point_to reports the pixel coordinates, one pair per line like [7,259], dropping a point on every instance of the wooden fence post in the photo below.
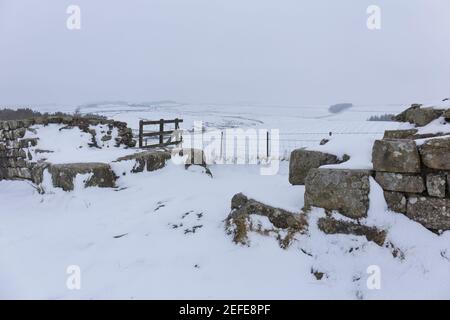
[267,144]
[161,129]
[141,131]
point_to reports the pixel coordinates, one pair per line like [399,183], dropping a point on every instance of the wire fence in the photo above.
[257,147]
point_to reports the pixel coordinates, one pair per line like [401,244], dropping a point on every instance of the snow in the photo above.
[161,234]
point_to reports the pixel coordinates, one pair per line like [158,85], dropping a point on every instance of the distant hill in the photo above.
[336,108]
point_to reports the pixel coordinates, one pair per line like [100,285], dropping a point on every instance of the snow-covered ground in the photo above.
[161,234]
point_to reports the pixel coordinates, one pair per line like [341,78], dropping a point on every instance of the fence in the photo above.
[161,133]
[262,144]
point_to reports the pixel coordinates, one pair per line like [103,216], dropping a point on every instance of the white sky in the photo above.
[228,51]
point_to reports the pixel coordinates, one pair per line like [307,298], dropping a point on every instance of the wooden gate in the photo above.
[161,133]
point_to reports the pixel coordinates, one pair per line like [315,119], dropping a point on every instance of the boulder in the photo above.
[396,201]
[396,156]
[338,189]
[432,213]
[147,160]
[399,134]
[238,223]
[411,134]
[418,115]
[435,153]
[400,182]
[447,115]
[63,175]
[302,161]
[333,226]
[436,185]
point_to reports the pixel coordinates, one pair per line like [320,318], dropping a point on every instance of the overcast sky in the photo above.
[225,51]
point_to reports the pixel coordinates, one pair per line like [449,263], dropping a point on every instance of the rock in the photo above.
[400,182]
[338,189]
[13,153]
[63,175]
[147,160]
[396,201]
[436,185]
[238,222]
[399,134]
[106,137]
[12,163]
[28,142]
[15,173]
[447,115]
[37,172]
[435,153]
[432,213]
[14,134]
[302,161]
[402,117]
[333,226]
[411,134]
[396,156]
[418,115]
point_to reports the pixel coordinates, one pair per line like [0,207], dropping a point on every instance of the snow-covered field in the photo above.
[161,234]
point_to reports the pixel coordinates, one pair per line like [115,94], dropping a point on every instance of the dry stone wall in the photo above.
[16,161]
[415,178]
[15,158]
[414,174]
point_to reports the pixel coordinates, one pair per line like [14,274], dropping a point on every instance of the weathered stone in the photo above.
[432,213]
[147,160]
[402,117]
[418,115]
[399,134]
[396,201]
[435,153]
[37,172]
[14,134]
[28,142]
[411,134]
[13,153]
[304,160]
[396,156]
[12,163]
[400,182]
[15,173]
[333,226]
[238,223]
[106,137]
[337,189]
[436,185]
[63,175]
[447,115]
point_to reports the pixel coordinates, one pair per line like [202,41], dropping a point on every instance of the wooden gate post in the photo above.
[161,130]
[141,131]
